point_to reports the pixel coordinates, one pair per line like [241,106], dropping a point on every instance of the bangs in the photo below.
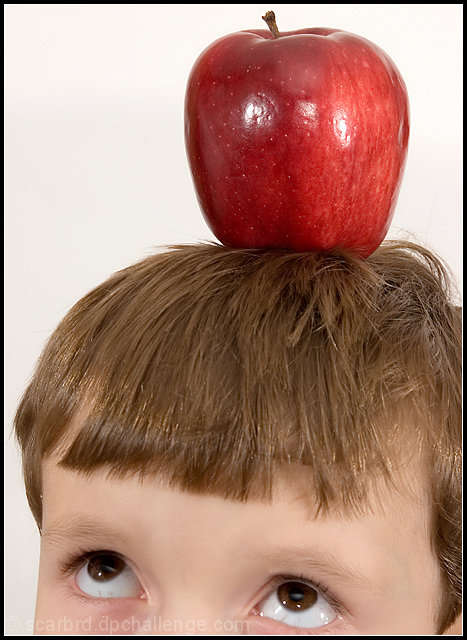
[211,366]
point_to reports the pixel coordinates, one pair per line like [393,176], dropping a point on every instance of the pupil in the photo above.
[105,567]
[297,596]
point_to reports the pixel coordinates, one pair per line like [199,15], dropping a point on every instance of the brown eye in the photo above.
[297,596]
[107,575]
[297,603]
[105,567]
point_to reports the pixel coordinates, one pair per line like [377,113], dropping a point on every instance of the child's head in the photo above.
[211,376]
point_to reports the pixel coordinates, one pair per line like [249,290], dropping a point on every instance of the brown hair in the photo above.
[210,365]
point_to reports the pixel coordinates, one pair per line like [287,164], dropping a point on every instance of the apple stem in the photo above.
[270,20]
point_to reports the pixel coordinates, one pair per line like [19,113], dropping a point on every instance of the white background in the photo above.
[96,173]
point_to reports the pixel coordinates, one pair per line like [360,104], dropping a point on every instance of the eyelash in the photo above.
[74,561]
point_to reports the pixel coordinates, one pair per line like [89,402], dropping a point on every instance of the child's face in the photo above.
[168,562]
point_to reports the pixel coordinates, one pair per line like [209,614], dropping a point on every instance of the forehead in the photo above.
[401,505]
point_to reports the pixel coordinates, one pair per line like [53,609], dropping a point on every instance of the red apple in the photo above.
[297,140]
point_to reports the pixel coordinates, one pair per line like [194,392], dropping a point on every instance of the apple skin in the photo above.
[297,142]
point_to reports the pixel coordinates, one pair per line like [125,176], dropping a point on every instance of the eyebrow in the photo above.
[318,559]
[77,529]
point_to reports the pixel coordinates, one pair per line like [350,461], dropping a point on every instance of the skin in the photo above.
[206,565]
